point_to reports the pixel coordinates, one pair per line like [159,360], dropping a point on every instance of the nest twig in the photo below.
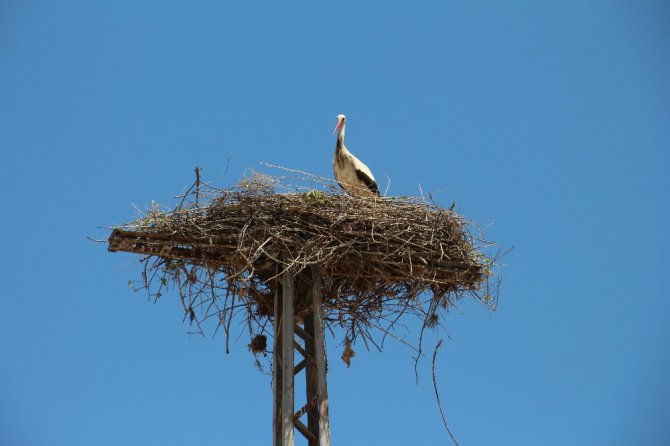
[380,258]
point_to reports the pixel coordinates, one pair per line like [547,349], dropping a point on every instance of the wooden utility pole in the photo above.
[310,344]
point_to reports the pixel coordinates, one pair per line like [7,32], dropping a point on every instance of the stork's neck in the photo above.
[340,140]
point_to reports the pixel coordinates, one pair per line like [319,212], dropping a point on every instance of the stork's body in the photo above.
[350,172]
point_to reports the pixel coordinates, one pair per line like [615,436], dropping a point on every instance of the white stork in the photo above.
[351,174]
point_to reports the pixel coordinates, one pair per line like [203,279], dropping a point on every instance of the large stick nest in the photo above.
[223,250]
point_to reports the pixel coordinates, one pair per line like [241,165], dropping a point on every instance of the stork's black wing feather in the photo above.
[369,182]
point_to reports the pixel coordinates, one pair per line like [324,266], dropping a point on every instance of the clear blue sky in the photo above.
[547,122]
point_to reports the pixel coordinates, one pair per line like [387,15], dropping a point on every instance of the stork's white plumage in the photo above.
[350,172]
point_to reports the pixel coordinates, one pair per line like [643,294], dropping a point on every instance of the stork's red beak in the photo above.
[338,126]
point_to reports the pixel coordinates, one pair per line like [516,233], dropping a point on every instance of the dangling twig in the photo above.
[437,395]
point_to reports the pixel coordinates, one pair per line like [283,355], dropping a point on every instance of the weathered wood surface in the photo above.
[284,367]
[320,356]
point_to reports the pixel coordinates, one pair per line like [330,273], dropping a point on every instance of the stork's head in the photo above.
[340,123]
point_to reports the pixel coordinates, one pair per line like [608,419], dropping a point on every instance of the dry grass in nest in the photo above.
[222,250]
